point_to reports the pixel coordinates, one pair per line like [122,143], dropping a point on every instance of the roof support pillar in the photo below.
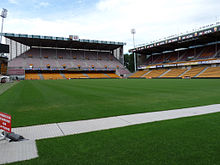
[16,45]
[10,49]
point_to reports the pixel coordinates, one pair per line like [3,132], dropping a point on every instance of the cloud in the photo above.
[44,4]
[13,1]
[114,19]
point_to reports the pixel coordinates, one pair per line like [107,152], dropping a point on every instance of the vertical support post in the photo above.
[135,65]
[97,54]
[40,52]
[16,48]
[2,29]
[56,52]
[10,49]
[122,55]
[109,54]
[21,49]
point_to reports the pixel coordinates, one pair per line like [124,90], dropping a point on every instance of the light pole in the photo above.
[133,32]
[3,15]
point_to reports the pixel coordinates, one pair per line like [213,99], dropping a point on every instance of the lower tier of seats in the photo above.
[174,72]
[113,75]
[194,72]
[52,76]
[211,72]
[155,73]
[32,76]
[138,74]
[58,76]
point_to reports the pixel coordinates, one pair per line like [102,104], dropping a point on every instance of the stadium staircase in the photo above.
[72,65]
[63,75]
[184,72]
[155,73]
[199,54]
[165,73]
[41,63]
[193,72]
[183,55]
[107,75]
[113,75]
[146,73]
[86,75]
[174,73]
[139,74]
[57,63]
[41,76]
[202,71]
[217,54]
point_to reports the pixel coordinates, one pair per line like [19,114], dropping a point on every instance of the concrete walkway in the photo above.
[76,127]
[6,86]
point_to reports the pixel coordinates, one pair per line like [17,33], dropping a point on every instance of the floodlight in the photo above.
[4,13]
[133,31]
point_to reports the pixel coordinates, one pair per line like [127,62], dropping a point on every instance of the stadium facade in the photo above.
[191,55]
[47,57]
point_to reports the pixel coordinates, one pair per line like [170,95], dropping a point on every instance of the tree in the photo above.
[129,62]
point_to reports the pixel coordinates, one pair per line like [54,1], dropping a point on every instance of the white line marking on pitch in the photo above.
[76,127]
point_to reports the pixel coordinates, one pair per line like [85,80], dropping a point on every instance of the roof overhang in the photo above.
[61,42]
[201,37]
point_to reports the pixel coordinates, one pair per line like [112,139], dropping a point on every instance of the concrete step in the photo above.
[202,71]
[146,73]
[41,76]
[184,72]
[107,75]
[63,75]
[165,73]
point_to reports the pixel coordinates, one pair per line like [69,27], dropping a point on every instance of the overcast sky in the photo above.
[110,20]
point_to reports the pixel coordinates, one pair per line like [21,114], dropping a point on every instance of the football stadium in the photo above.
[67,100]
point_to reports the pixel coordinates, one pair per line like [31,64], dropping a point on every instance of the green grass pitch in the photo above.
[41,102]
[191,141]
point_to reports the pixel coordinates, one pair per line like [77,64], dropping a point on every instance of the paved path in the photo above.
[6,86]
[76,127]
[14,152]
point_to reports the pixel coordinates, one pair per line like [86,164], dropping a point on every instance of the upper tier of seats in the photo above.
[184,55]
[52,58]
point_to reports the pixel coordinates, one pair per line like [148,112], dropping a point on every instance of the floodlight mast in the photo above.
[133,32]
[3,15]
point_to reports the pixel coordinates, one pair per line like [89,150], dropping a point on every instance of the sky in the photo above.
[109,20]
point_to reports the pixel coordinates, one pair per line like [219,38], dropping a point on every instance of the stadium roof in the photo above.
[61,42]
[200,37]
